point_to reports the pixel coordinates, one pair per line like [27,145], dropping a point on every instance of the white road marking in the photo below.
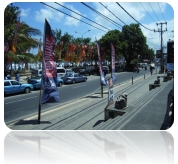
[20,100]
[79,86]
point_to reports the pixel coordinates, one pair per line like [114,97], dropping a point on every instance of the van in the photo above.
[60,72]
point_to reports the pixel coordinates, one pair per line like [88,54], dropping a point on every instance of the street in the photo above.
[24,105]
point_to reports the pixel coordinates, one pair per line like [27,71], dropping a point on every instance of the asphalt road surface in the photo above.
[20,106]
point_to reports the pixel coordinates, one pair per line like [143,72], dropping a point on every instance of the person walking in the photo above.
[18,76]
[151,69]
[5,76]
[9,75]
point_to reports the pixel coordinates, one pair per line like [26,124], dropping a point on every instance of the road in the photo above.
[20,106]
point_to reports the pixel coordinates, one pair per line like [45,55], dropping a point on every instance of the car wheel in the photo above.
[59,84]
[27,90]
[73,82]
[85,80]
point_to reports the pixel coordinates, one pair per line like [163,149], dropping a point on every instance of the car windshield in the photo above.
[60,70]
[82,70]
[69,71]
[69,75]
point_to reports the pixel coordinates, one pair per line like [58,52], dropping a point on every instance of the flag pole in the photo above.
[39,105]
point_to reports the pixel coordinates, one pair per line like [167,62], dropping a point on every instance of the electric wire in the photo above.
[72,16]
[120,20]
[133,17]
[87,18]
[147,13]
[82,16]
[153,10]
[108,19]
[112,13]
[161,11]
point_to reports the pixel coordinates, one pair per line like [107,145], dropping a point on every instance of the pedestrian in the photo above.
[151,69]
[5,76]
[9,76]
[138,70]
[18,76]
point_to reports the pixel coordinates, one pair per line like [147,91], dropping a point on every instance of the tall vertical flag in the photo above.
[113,63]
[14,41]
[103,81]
[49,71]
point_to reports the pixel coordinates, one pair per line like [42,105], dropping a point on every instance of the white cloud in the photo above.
[24,13]
[49,13]
[72,21]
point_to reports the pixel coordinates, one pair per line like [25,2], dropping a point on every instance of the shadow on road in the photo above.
[33,122]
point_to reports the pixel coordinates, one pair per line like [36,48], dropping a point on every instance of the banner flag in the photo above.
[103,80]
[110,92]
[49,71]
[113,62]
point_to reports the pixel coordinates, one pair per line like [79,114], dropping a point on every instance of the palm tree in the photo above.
[24,36]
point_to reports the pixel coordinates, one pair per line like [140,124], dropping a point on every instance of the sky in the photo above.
[149,15]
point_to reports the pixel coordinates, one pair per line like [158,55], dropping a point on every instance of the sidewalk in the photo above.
[88,112]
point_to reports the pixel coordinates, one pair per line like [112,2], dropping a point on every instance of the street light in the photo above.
[82,34]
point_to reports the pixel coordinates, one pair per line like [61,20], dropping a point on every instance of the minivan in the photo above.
[60,72]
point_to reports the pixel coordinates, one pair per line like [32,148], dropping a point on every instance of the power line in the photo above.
[153,11]
[133,17]
[111,12]
[108,19]
[161,11]
[148,13]
[87,18]
[82,16]
[123,22]
[72,16]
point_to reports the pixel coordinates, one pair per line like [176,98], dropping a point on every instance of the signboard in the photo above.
[158,54]
[170,55]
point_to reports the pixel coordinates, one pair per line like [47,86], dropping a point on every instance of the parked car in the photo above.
[74,78]
[36,82]
[60,71]
[97,72]
[69,70]
[13,86]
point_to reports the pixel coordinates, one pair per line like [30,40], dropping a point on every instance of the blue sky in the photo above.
[146,13]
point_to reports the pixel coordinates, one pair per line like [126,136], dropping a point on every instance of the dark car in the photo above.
[74,78]
[13,86]
[36,82]
[82,70]
[97,72]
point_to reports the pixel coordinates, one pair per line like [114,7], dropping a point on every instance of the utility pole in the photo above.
[161,31]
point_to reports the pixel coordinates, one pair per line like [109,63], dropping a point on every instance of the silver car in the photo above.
[74,78]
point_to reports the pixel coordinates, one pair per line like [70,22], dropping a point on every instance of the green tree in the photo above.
[132,42]
[111,36]
[24,35]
